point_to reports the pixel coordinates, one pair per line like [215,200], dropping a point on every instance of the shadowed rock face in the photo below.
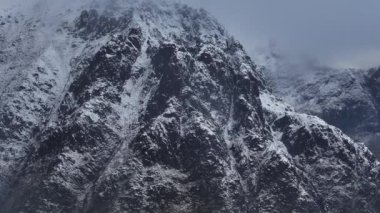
[347,99]
[166,113]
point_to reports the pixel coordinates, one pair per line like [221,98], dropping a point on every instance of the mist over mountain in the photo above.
[153,106]
[337,34]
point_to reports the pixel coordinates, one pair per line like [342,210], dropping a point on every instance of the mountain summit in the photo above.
[154,107]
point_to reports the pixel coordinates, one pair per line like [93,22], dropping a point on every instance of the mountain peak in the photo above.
[155,107]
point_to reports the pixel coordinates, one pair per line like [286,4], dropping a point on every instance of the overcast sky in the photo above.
[338,33]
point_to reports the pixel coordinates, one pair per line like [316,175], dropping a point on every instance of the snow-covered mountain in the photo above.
[149,106]
[346,98]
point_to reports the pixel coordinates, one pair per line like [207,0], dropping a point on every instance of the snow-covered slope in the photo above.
[309,143]
[142,106]
[344,98]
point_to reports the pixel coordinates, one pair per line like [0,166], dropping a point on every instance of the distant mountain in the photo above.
[346,98]
[142,106]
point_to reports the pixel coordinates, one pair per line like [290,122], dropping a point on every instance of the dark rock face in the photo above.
[167,113]
[92,25]
[316,141]
[344,98]
[373,84]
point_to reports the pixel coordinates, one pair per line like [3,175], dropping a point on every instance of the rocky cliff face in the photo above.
[344,98]
[154,107]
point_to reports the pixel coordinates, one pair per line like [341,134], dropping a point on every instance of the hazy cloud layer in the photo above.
[338,33]
[341,33]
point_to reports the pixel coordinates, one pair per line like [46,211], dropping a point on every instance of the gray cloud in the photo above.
[338,33]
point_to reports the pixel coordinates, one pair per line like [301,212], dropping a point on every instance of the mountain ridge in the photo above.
[344,98]
[160,109]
